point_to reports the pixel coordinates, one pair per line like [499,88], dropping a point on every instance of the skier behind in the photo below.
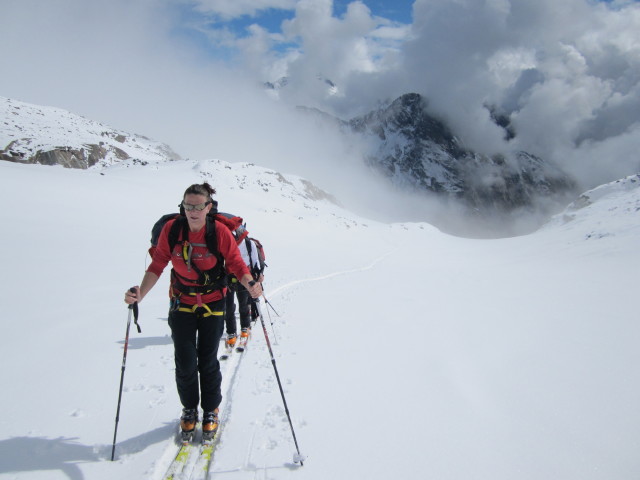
[249,252]
[196,315]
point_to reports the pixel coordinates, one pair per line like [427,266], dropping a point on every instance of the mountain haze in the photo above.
[405,147]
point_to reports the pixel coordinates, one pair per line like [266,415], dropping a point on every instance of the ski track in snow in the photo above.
[230,369]
[289,285]
[248,464]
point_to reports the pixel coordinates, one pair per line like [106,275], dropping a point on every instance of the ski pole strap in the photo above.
[134,307]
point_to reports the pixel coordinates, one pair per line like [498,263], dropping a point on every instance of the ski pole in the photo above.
[275,337]
[298,457]
[269,304]
[269,313]
[133,308]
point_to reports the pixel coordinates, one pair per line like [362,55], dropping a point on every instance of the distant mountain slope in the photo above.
[298,194]
[612,209]
[416,150]
[52,136]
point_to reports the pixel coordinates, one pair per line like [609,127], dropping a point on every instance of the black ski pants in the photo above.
[195,340]
[244,308]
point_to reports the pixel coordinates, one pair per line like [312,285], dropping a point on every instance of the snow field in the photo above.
[402,351]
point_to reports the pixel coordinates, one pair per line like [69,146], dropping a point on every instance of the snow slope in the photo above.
[26,129]
[404,352]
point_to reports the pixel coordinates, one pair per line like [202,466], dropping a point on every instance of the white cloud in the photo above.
[565,70]
[338,49]
[507,64]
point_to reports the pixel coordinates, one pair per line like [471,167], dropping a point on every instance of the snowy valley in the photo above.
[403,351]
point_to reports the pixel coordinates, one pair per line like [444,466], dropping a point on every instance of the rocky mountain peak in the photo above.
[416,150]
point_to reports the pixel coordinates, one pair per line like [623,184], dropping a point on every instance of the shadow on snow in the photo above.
[28,454]
[136,343]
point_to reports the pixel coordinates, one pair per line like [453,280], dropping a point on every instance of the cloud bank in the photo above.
[567,73]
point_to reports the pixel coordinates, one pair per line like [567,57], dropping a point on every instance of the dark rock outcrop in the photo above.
[416,150]
[68,157]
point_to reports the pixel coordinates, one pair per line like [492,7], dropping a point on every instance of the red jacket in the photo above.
[200,256]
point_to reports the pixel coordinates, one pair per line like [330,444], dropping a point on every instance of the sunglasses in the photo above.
[188,207]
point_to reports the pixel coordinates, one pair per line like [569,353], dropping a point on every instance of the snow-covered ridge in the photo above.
[258,180]
[615,188]
[276,193]
[47,135]
[608,210]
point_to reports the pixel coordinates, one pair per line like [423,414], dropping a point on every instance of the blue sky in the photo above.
[271,18]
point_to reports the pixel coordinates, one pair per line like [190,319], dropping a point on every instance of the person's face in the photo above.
[196,207]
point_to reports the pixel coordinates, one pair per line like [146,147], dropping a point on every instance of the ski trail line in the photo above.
[286,286]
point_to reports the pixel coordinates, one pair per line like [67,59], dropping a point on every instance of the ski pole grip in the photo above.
[134,307]
[131,306]
[252,283]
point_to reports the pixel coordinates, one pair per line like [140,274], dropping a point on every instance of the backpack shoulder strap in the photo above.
[179,225]
[247,243]
[211,238]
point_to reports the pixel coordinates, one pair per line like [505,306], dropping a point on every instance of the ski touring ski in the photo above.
[203,462]
[193,459]
[179,463]
[181,459]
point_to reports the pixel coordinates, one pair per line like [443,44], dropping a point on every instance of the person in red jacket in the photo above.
[197,312]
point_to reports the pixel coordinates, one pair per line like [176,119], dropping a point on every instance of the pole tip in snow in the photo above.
[299,458]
